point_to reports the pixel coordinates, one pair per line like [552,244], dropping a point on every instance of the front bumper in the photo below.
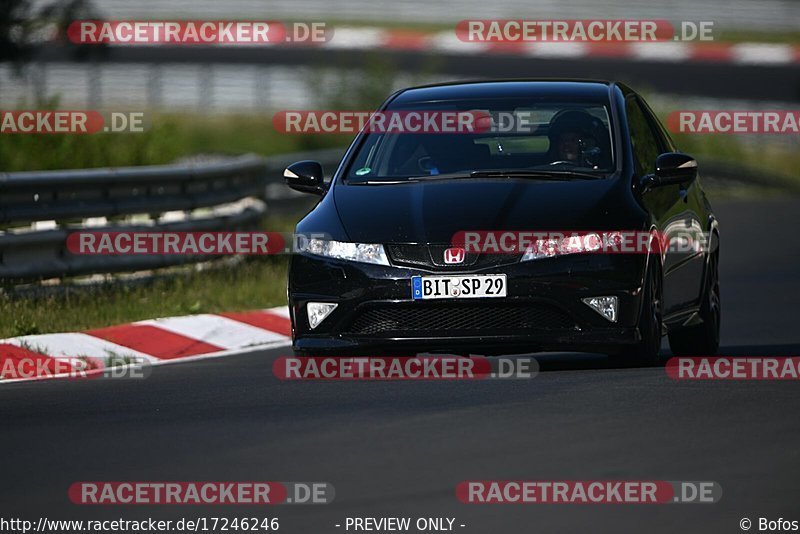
[543,309]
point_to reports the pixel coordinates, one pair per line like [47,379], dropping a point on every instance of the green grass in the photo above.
[255,283]
[169,137]
[775,155]
[174,136]
[759,155]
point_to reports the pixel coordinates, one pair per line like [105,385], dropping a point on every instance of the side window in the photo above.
[666,141]
[645,143]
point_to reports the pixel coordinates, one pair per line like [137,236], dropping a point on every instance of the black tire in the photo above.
[702,339]
[645,352]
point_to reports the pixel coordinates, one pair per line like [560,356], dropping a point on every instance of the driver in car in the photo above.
[574,139]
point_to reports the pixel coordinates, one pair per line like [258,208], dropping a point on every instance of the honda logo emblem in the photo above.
[454,255]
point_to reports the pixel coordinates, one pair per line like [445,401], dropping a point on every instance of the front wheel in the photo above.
[702,339]
[645,351]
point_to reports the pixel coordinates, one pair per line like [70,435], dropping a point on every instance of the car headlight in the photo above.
[573,244]
[361,252]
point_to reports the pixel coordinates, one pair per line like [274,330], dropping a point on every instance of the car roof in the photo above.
[582,89]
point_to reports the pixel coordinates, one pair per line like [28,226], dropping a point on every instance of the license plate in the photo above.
[458,287]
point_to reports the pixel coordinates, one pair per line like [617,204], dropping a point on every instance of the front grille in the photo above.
[431,257]
[422,318]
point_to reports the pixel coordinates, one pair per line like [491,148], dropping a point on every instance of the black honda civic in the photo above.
[571,159]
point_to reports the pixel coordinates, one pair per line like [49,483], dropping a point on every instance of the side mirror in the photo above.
[305,176]
[675,168]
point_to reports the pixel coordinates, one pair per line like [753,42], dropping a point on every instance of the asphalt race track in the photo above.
[399,449]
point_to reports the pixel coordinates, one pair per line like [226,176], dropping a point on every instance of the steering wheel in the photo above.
[425,164]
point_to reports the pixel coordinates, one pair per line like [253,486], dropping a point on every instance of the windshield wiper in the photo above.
[376,182]
[493,173]
[543,174]
[395,181]
[531,173]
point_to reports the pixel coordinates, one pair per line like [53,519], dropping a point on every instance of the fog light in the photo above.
[605,306]
[318,311]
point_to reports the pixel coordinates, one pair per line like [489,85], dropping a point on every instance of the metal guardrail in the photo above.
[55,203]
[38,210]
[79,194]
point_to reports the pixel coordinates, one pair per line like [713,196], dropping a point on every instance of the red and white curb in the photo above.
[668,51]
[156,341]
[448,42]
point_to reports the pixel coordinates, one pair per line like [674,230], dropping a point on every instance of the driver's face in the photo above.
[570,145]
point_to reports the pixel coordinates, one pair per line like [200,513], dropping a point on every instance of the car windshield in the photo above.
[511,137]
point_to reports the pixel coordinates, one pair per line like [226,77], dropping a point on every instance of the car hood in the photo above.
[431,212]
